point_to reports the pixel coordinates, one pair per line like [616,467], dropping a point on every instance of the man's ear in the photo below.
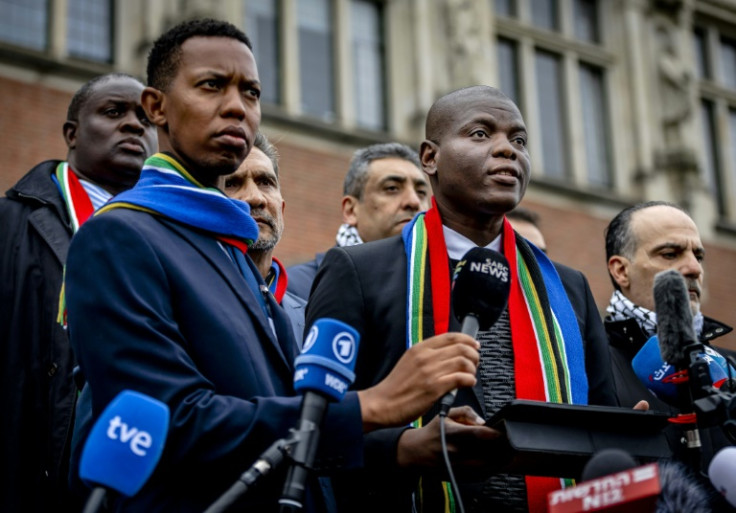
[428,152]
[70,133]
[349,210]
[618,268]
[153,102]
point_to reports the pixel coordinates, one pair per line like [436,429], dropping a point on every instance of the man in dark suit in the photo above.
[163,299]
[476,157]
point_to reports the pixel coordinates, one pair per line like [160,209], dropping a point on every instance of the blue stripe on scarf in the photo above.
[565,315]
[168,193]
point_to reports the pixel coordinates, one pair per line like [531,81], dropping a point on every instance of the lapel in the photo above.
[211,250]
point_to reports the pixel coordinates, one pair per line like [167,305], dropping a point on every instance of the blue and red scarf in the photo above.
[548,349]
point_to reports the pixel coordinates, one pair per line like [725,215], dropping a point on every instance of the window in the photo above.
[550,103]
[702,67]
[505,8]
[711,164]
[728,62]
[90,30]
[586,21]
[262,27]
[544,14]
[508,69]
[595,125]
[368,68]
[24,23]
[316,58]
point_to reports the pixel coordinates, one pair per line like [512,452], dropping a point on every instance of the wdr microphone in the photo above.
[480,291]
[124,446]
[324,371]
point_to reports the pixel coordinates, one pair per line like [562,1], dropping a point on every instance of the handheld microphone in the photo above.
[324,371]
[480,291]
[626,487]
[659,376]
[124,446]
[674,318]
[722,473]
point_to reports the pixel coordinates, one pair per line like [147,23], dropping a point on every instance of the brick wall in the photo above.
[30,131]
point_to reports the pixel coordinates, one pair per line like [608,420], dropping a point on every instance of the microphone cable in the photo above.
[446,457]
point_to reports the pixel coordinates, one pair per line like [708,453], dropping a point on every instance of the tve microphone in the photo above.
[659,376]
[324,371]
[674,317]
[124,446]
[480,291]
[722,473]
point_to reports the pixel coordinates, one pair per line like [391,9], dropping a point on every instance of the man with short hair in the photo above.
[641,241]
[178,305]
[108,138]
[396,291]
[257,183]
[383,190]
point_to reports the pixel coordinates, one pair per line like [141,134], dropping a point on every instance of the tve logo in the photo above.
[125,443]
[138,440]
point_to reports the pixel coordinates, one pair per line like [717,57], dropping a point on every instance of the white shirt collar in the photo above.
[458,245]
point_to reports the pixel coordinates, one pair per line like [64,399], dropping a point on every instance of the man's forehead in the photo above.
[661,224]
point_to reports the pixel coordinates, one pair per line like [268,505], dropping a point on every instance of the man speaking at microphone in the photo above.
[163,299]
[475,154]
[641,241]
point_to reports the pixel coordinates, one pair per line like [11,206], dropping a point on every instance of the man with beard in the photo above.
[475,154]
[257,183]
[108,138]
[641,241]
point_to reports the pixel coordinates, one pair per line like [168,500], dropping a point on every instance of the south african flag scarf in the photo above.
[548,350]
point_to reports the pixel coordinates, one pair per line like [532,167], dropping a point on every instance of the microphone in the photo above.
[674,318]
[324,371]
[124,446]
[480,291]
[626,487]
[722,473]
[660,377]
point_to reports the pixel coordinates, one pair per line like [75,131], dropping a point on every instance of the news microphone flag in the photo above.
[125,444]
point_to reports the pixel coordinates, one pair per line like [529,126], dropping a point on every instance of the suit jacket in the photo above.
[160,308]
[301,276]
[365,286]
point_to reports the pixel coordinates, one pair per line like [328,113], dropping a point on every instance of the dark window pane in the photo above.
[505,8]
[551,117]
[89,30]
[586,21]
[368,67]
[24,23]
[595,126]
[728,58]
[508,70]
[732,148]
[262,27]
[544,14]
[702,67]
[710,148]
[316,58]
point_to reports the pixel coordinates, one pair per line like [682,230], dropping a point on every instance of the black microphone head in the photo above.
[674,317]
[683,490]
[606,462]
[481,286]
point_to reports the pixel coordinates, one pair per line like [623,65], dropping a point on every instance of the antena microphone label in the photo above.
[491,267]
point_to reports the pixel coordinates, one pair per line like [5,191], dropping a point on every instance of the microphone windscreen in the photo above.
[722,473]
[606,462]
[125,443]
[674,317]
[326,364]
[682,490]
[481,286]
[656,374]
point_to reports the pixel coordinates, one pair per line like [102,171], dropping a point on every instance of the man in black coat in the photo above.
[476,157]
[109,138]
